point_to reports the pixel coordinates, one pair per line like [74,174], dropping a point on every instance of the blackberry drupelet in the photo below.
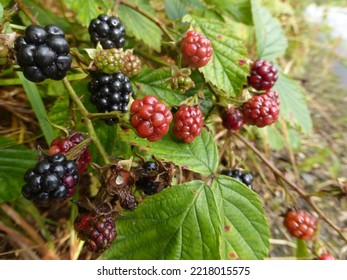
[110,93]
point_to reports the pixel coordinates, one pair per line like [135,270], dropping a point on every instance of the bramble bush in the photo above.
[132,99]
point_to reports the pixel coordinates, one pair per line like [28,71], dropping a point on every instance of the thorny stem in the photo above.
[87,120]
[150,17]
[292,185]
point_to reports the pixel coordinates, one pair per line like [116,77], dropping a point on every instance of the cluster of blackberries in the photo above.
[109,31]
[110,93]
[43,52]
[63,145]
[54,178]
[261,109]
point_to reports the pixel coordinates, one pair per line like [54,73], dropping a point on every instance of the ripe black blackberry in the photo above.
[146,182]
[54,178]
[109,31]
[246,178]
[43,52]
[110,93]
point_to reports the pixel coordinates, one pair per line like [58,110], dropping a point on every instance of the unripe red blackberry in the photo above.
[326,257]
[63,145]
[300,224]
[196,49]
[188,123]
[97,229]
[263,75]
[261,110]
[150,118]
[132,65]
[54,178]
[233,119]
[43,52]
[109,61]
[109,31]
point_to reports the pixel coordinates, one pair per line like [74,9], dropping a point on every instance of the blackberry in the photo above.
[62,145]
[181,81]
[233,119]
[326,257]
[150,118]
[261,110]
[110,93]
[54,178]
[132,64]
[109,31]
[109,61]
[97,229]
[263,75]
[188,123]
[246,178]
[300,224]
[153,176]
[148,175]
[43,53]
[196,49]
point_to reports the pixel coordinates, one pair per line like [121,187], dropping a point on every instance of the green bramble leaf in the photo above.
[88,10]
[178,223]
[200,156]
[240,10]
[155,82]
[175,9]
[194,221]
[15,160]
[226,69]
[38,106]
[141,27]
[246,232]
[293,104]
[270,38]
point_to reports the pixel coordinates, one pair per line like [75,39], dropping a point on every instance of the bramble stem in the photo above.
[292,185]
[87,120]
[26,11]
[150,17]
